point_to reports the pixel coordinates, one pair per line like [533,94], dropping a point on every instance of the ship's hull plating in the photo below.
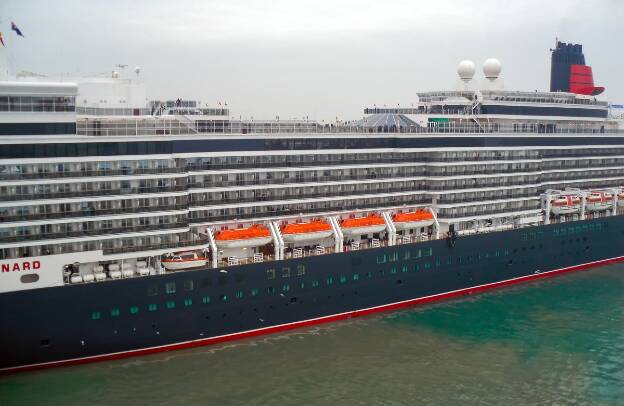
[82,323]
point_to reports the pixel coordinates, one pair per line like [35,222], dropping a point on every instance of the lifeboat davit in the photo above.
[597,201]
[254,236]
[411,220]
[310,231]
[566,204]
[371,224]
[183,260]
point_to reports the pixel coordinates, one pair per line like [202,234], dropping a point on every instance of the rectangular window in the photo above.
[315,284]
[381,259]
[115,312]
[343,279]
[152,307]
[285,287]
[239,294]
[170,288]
[329,280]
[369,275]
[394,257]
[393,270]
[134,309]
[170,304]
[152,290]
[188,301]
[188,285]
[428,252]
[271,290]
[95,316]
[302,285]
[417,254]
[270,274]
[223,297]
[427,265]
[404,269]
[416,267]
[206,300]
[438,263]
[356,277]
[300,270]
[286,272]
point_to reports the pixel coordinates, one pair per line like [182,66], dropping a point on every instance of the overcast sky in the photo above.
[318,58]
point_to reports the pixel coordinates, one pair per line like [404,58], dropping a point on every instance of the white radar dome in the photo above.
[466,70]
[492,68]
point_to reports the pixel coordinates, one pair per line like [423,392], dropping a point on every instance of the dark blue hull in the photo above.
[69,324]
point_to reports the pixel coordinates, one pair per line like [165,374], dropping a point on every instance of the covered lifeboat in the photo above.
[373,223]
[183,260]
[411,220]
[254,236]
[303,232]
[597,201]
[566,204]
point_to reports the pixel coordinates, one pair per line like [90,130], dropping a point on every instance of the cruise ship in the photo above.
[131,226]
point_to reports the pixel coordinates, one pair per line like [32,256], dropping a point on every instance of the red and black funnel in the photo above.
[568,72]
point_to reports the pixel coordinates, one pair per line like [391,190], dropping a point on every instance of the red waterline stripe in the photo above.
[310,322]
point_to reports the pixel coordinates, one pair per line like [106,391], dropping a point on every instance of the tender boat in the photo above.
[254,236]
[373,223]
[598,201]
[566,204]
[308,231]
[183,260]
[412,220]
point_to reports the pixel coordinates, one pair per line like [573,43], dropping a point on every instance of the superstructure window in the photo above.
[170,288]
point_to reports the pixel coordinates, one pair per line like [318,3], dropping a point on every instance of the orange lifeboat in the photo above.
[310,231]
[566,204]
[254,236]
[373,223]
[597,201]
[414,219]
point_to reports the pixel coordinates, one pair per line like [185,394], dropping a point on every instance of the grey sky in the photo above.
[319,58]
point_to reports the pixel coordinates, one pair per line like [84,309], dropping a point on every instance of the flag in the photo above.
[1,40]
[17,30]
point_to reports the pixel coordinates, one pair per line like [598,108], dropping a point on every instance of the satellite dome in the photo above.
[466,70]
[492,68]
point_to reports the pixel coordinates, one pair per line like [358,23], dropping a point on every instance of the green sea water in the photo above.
[553,342]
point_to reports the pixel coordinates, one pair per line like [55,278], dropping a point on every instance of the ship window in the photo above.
[271,290]
[427,265]
[152,307]
[438,263]
[44,343]
[206,300]
[369,275]
[302,285]
[134,310]
[343,279]
[114,312]
[449,260]
[497,253]
[95,316]
[427,252]
[285,287]
[170,304]
[188,285]
[255,292]
[416,268]
[188,301]
[239,294]
[300,270]
[406,255]
[393,270]
[270,273]
[417,254]
[381,259]
[170,287]
[394,257]
[29,278]
[286,272]
[329,280]
[404,269]
[223,297]
[315,284]
[152,290]
[356,276]
[506,252]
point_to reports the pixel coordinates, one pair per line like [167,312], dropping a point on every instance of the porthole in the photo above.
[29,278]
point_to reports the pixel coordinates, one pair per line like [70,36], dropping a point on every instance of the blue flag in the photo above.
[17,30]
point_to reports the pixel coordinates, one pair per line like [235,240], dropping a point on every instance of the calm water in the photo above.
[559,341]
